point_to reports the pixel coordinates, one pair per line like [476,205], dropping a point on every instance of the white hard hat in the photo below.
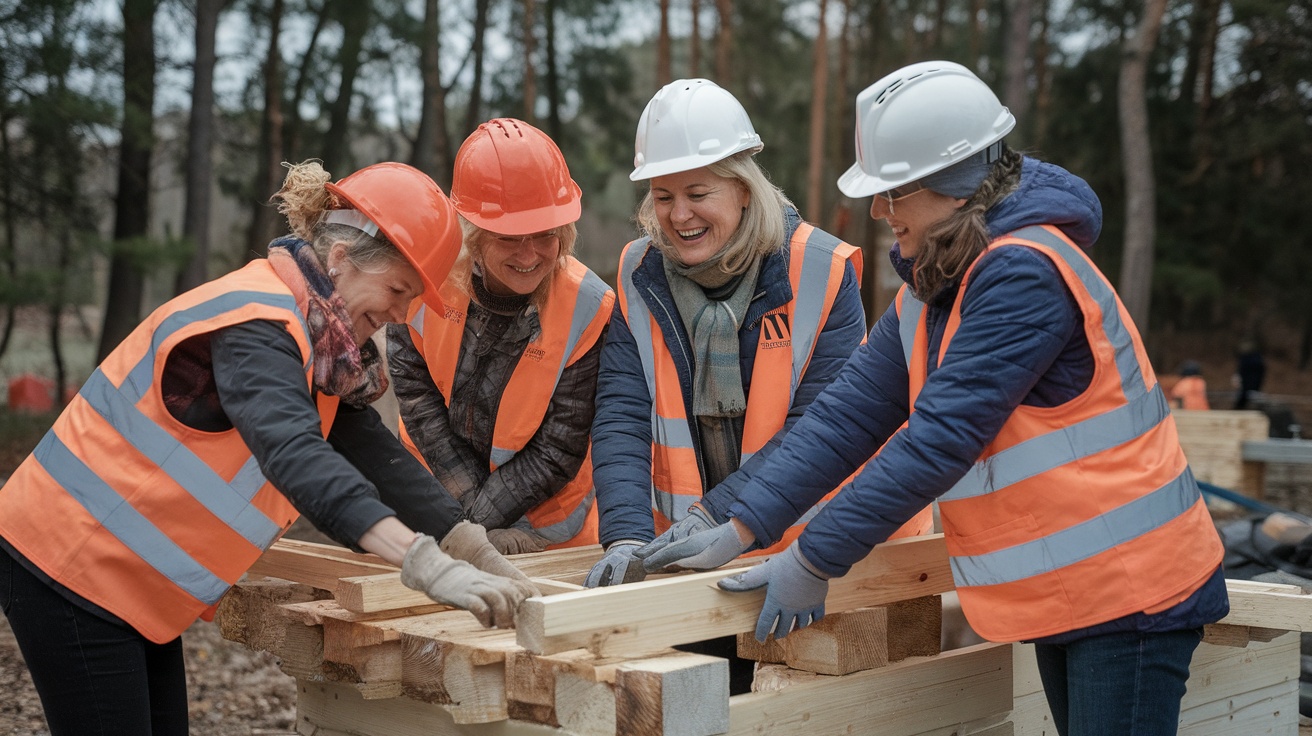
[920,119]
[688,124]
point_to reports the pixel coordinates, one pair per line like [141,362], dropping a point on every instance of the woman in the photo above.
[733,315]
[496,390]
[1007,382]
[196,443]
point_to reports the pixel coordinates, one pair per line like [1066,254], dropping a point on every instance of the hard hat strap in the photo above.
[352,218]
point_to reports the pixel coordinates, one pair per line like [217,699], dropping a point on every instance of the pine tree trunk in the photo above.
[554,128]
[432,117]
[724,41]
[355,15]
[530,72]
[1015,90]
[200,144]
[816,150]
[263,216]
[664,72]
[474,115]
[695,41]
[132,204]
[1136,152]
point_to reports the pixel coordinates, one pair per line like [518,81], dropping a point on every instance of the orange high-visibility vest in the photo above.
[1079,514]
[576,311]
[817,261]
[1192,393]
[133,510]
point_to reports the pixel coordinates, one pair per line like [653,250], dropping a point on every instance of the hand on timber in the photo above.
[698,520]
[429,570]
[468,541]
[618,566]
[794,594]
[514,541]
[705,550]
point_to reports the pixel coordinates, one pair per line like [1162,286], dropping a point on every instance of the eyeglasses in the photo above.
[537,240]
[902,192]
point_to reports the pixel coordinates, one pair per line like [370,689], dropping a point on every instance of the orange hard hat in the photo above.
[412,212]
[510,178]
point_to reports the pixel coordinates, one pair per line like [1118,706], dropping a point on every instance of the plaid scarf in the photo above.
[341,368]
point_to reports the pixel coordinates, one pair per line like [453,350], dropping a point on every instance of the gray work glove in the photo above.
[705,550]
[618,566]
[468,541]
[697,520]
[794,594]
[515,541]
[429,570]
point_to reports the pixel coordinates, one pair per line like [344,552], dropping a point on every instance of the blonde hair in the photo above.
[474,245]
[304,200]
[954,243]
[761,230]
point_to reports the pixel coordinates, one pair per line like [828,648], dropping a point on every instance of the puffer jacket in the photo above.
[1025,345]
[621,432]
[456,440]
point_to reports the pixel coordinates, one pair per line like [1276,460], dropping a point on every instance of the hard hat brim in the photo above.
[527,222]
[689,163]
[856,183]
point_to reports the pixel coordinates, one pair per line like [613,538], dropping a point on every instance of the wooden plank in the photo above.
[681,694]
[316,565]
[1213,444]
[377,593]
[1268,605]
[956,687]
[641,617]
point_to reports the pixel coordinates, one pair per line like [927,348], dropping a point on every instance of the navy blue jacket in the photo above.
[621,430]
[1020,341]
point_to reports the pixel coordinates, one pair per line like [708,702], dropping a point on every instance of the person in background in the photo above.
[496,391]
[1251,372]
[1190,392]
[1007,383]
[229,411]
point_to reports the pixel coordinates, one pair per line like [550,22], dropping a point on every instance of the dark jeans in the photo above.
[94,677]
[1124,684]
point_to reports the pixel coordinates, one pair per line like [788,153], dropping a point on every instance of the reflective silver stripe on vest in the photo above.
[417,321]
[1054,449]
[126,523]
[908,321]
[809,302]
[592,292]
[229,502]
[1081,541]
[1127,362]
[569,527]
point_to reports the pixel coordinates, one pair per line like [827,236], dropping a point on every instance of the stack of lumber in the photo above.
[374,658]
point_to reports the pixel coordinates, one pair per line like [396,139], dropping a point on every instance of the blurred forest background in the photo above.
[140,139]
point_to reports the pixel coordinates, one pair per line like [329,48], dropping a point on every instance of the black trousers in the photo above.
[94,677]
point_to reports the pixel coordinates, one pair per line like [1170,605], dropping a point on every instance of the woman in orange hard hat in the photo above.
[496,389]
[230,410]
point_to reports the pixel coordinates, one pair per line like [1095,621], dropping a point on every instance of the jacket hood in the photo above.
[1049,195]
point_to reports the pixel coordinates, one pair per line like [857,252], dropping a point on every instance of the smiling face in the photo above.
[375,297]
[517,264]
[911,217]
[698,211]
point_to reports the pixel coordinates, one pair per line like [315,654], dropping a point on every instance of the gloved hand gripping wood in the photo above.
[468,541]
[429,570]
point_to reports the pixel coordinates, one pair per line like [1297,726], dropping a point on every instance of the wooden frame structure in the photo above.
[374,659]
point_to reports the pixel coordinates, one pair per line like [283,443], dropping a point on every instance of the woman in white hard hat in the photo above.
[199,439]
[1008,383]
[733,314]
[496,390]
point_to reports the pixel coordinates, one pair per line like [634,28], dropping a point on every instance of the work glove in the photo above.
[429,570]
[515,541]
[697,520]
[794,594]
[468,541]
[618,566]
[705,550]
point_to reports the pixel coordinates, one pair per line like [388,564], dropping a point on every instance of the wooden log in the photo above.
[682,694]
[641,617]
[249,613]
[860,639]
[953,688]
